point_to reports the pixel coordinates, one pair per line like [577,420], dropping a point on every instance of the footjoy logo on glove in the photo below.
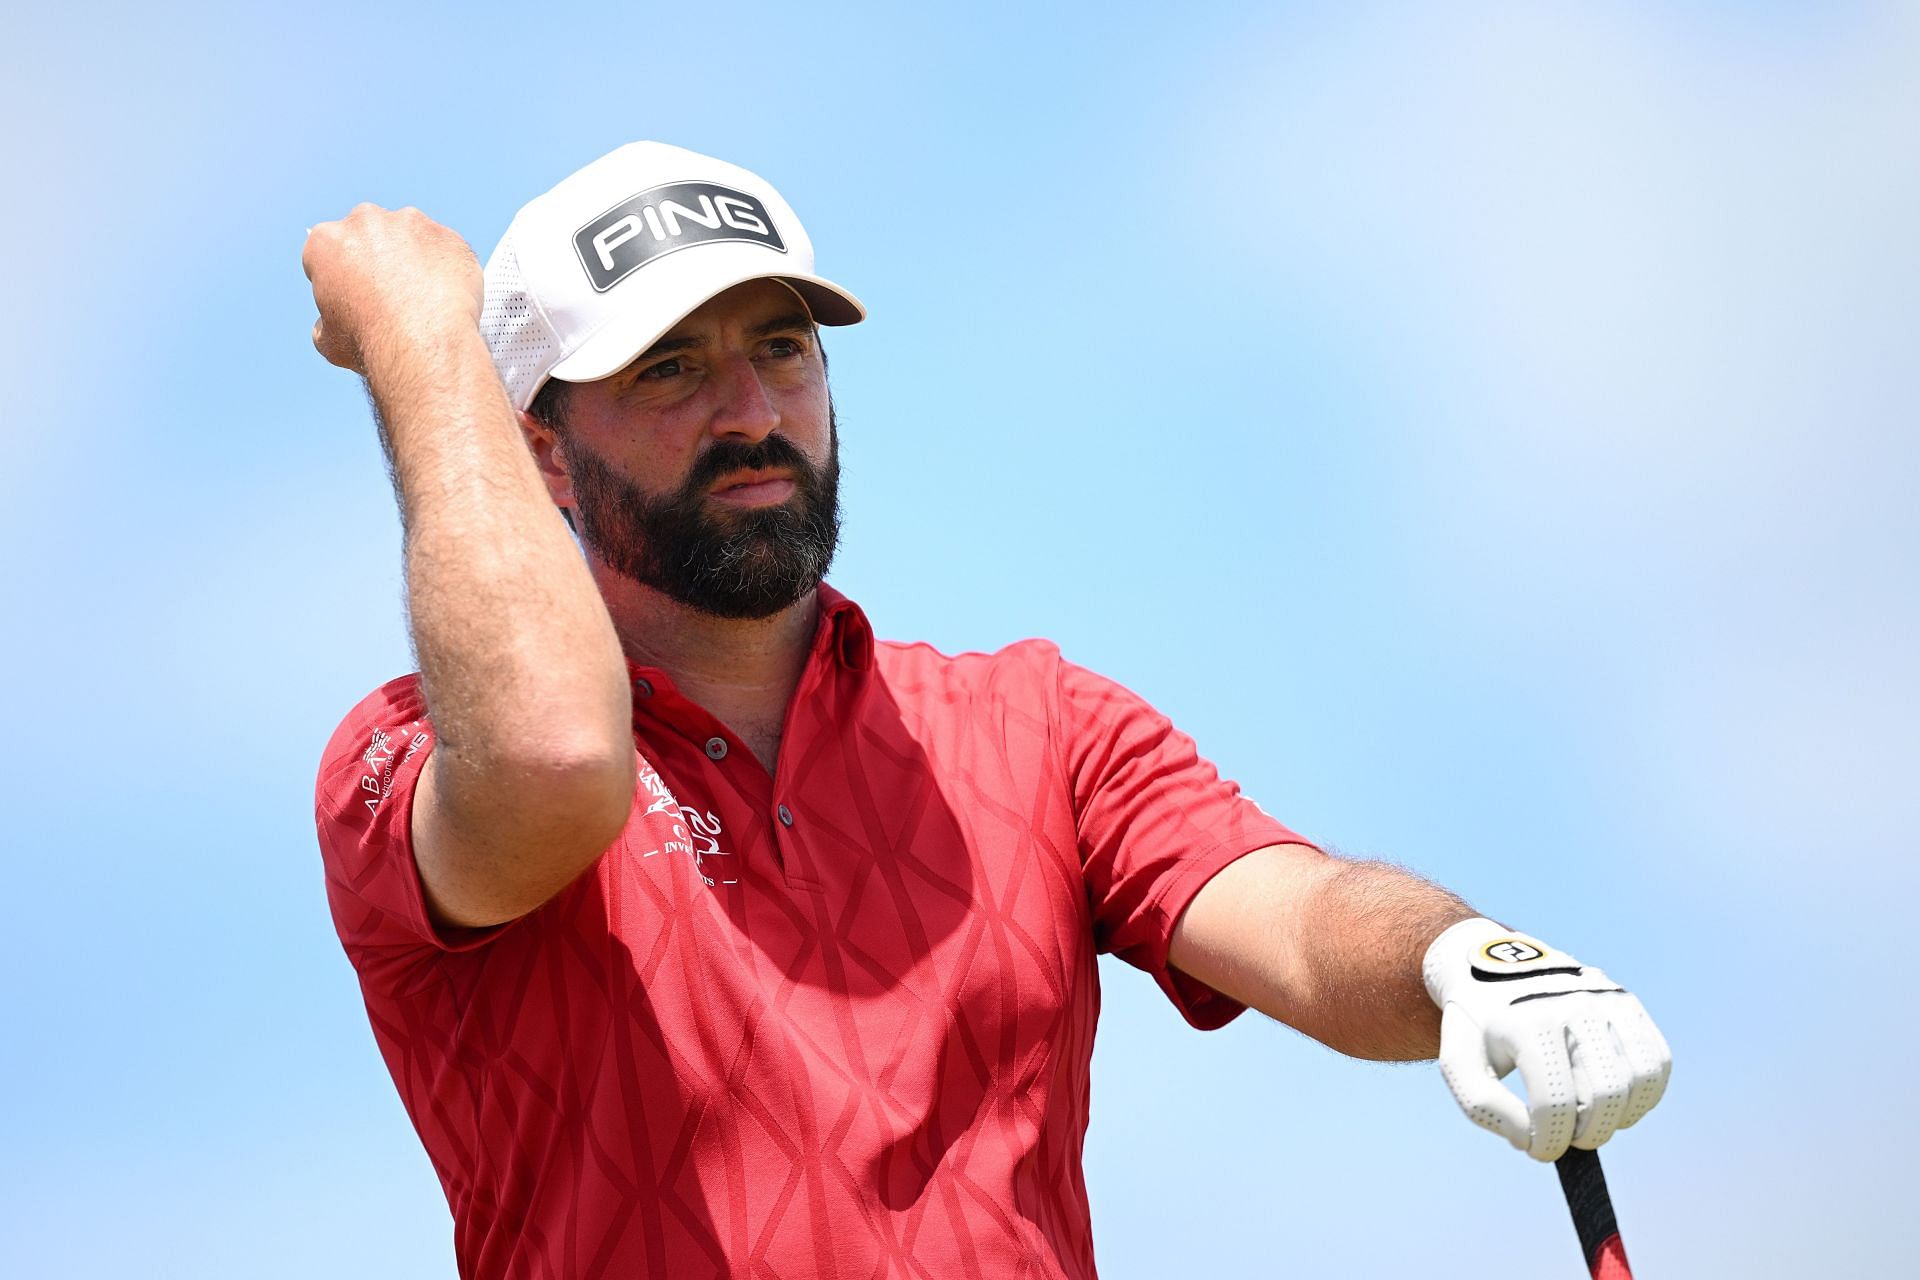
[1512,951]
[661,219]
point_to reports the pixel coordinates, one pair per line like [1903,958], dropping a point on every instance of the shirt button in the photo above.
[643,686]
[716,748]
[786,816]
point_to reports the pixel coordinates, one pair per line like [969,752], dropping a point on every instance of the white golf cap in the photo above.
[592,273]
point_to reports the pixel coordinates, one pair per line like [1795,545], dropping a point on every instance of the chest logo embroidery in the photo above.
[693,833]
[705,829]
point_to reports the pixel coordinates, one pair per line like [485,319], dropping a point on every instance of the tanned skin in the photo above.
[1329,947]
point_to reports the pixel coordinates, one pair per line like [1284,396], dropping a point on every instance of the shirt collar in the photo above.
[842,633]
[844,630]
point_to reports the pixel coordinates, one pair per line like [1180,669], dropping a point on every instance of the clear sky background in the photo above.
[1490,429]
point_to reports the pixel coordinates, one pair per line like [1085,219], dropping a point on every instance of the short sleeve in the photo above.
[1155,823]
[363,811]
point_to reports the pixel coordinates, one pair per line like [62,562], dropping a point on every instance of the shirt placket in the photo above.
[729,762]
[802,722]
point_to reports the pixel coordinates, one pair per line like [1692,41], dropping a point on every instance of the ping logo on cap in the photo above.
[661,219]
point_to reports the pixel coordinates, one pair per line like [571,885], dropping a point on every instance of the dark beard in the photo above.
[749,563]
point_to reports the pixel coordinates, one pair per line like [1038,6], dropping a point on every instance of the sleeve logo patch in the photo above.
[676,215]
[1511,951]
[379,758]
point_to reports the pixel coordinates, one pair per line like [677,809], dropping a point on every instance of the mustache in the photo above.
[724,457]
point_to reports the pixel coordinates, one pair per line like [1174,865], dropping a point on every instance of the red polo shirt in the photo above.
[835,1022]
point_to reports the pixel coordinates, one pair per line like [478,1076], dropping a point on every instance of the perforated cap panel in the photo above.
[523,344]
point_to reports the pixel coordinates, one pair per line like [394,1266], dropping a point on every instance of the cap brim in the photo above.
[635,329]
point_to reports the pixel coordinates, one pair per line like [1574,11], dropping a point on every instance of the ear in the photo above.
[549,456]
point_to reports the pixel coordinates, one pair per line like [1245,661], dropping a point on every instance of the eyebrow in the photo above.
[791,322]
[782,324]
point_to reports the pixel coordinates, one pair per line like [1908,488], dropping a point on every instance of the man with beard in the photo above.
[704,935]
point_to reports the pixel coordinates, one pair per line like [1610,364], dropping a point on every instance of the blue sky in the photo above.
[1489,429]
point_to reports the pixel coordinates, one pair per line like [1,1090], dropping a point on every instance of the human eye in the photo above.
[785,348]
[660,372]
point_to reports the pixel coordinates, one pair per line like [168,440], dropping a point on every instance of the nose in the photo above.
[742,407]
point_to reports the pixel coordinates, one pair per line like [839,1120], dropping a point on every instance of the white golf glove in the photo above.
[1590,1057]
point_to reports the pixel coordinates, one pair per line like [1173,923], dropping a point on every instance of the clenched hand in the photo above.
[382,277]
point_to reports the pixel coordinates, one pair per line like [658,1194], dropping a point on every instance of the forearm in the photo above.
[1330,947]
[518,657]
[1365,929]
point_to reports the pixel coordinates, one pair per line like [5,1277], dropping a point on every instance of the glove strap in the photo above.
[1487,950]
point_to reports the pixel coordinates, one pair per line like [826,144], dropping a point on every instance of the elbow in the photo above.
[576,796]
[495,843]
[567,796]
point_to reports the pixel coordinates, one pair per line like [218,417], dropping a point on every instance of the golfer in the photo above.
[704,933]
